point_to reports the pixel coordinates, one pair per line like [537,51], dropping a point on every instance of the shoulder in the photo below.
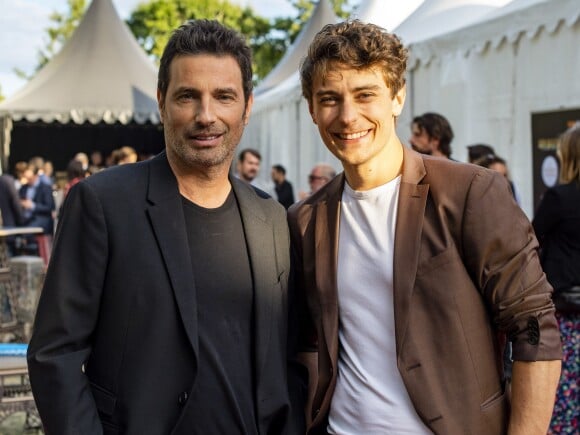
[252,196]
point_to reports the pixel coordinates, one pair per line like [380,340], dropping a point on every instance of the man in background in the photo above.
[431,134]
[283,187]
[248,169]
[320,174]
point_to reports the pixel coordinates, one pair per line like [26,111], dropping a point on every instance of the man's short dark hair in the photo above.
[478,151]
[250,151]
[206,37]
[437,127]
[280,169]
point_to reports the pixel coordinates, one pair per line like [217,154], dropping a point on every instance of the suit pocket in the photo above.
[493,401]
[104,399]
[438,261]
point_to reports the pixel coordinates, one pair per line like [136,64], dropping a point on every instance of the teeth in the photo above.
[351,136]
[206,137]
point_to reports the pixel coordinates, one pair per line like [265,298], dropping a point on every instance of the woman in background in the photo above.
[557,225]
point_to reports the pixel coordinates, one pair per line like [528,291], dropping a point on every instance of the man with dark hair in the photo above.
[479,151]
[249,164]
[431,134]
[409,268]
[283,187]
[164,306]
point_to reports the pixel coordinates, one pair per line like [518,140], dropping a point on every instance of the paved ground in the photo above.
[14,425]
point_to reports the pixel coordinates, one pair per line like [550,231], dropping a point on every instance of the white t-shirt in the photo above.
[370,396]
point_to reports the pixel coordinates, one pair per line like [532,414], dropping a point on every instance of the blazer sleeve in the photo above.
[547,215]
[501,251]
[66,317]
[43,200]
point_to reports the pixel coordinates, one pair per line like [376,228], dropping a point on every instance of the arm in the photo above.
[66,317]
[533,391]
[547,215]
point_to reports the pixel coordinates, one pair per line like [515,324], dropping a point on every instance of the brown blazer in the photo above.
[465,269]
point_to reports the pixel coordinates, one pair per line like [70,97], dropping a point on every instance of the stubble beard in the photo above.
[191,157]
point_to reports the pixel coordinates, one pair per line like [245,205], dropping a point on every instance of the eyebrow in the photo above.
[357,89]
[221,90]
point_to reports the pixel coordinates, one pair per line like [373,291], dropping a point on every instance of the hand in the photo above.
[27,204]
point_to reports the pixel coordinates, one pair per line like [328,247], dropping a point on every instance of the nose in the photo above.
[348,112]
[204,112]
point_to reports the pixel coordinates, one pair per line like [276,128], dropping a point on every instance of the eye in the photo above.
[226,97]
[328,99]
[365,95]
[185,96]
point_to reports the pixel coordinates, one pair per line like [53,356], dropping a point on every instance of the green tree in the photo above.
[153,21]
[2,98]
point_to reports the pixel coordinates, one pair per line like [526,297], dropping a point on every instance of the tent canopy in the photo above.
[290,62]
[101,74]
[436,17]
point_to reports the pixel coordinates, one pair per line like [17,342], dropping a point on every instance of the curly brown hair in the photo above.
[356,45]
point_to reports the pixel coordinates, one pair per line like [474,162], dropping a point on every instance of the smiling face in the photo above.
[355,114]
[203,111]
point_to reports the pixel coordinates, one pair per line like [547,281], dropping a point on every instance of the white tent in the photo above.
[100,76]
[322,15]
[387,14]
[280,126]
[435,17]
[488,79]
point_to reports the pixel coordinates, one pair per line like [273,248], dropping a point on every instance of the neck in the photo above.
[380,170]
[207,187]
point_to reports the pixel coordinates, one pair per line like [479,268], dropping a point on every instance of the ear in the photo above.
[399,101]
[160,104]
[248,109]
[311,110]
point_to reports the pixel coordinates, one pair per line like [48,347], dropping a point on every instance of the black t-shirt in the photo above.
[222,401]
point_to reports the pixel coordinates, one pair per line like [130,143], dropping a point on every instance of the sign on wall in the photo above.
[546,128]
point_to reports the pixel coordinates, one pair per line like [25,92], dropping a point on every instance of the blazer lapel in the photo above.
[326,255]
[168,224]
[411,211]
[259,235]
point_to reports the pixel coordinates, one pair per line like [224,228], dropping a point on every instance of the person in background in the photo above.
[39,163]
[164,308]
[84,159]
[37,201]
[498,164]
[557,225]
[283,187]
[431,134]
[10,208]
[97,162]
[479,151]
[407,267]
[320,174]
[248,169]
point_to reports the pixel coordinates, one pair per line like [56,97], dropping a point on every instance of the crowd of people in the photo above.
[405,294]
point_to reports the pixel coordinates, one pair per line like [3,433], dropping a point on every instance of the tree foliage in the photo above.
[152,23]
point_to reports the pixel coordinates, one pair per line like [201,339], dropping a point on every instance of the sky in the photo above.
[23,25]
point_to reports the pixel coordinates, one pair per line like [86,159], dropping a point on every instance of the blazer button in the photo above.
[182,398]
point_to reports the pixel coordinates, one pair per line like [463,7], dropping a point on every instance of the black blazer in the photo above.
[557,225]
[9,202]
[44,206]
[115,342]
